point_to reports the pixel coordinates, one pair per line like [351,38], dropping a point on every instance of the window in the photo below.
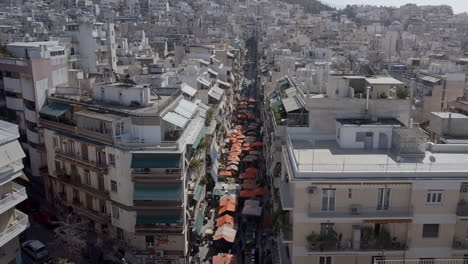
[325,228]
[350,193]
[426,261]
[115,212]
[120,235]
[55,142]
[62,188]
[383,199]
[149,241]
[112,160]
[434,197]
[57,53]
[325,260]
[113,186]
[102,206]
[328,200]
[87,177]
[360,136]
[430,230]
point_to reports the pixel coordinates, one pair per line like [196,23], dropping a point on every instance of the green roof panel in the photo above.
[155,161]
[199,223]
[55,110]
[160,192]
[198,192]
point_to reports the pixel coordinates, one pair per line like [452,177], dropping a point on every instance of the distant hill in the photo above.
[311,6]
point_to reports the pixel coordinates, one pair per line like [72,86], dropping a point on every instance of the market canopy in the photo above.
[247,176]
[226,232]
[252,170]
[249,186]
[225,219]
[230,207]
[225,174]
[232,168]
[247,194]
[261,191]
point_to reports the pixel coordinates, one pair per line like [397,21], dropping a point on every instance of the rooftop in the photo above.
[327,158]
[449,115]
[8,131]
[383,80]
[369,121]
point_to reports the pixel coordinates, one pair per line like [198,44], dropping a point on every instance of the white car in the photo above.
[35,249]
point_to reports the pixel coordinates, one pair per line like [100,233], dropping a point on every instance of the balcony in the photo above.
[362,212]
[156,175]
[462,209]
[91,165]
[12,198]
[81,209]
[14,103]
[159,221]
[71,128]
[14,228]
[30,115]
[33,136]
[76,182]
[12,85]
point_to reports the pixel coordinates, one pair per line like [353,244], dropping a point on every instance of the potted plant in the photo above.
[330,240]
[383,240]
[367,237]
[314,241]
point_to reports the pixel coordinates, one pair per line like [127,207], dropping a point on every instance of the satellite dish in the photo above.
[432,159]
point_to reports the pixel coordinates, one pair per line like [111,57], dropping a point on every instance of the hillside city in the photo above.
[232,132]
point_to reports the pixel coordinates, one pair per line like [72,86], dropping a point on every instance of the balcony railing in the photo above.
[421,261]
[76,181]
[71,128]
[462,209]
[148,174]
[358,211]
[346,246]
[92,165]
[11,199]
[14,228]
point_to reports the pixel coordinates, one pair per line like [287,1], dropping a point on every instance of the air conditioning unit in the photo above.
[355,209]
[464,189]
[159,253]
[311,189]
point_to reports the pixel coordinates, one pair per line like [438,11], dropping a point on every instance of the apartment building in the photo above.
[119,159]
[358,184]
[91,47]
[30,72]
[12,221]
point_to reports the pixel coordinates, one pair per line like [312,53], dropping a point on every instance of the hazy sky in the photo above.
[459,6]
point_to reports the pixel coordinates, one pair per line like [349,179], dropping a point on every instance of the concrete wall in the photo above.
[323,112]
[347,135]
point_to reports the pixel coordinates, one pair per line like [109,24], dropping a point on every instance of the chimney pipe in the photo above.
[368,88]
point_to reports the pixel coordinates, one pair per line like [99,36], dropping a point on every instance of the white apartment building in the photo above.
[357,183]
[12,221]
[121,160]
[33,70]
[92,46]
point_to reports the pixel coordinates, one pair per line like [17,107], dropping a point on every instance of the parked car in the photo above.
[46,218]
[35,249]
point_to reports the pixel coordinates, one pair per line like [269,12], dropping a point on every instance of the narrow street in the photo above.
[243,217]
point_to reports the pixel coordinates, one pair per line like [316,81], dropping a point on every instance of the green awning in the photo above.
[158,219]
[155,161]
[199,137]
[199,223]
[198,192]
[54,110]
[160,192]
[219,192]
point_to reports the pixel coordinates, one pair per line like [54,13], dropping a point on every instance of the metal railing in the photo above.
[14,228]
[363,211]
[17,194]
[421,261]
[462,209]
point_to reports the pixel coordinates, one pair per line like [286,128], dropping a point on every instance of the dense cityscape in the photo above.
[232,132]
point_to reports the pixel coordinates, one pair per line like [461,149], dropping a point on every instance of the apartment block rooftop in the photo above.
[117,97]
[8,131]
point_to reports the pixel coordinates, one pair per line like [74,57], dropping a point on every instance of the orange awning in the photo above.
[234,158]
[250,181]
[247,194]
[261,191]
[224,259]
[227,208]
[249,186]
[247,176]
[226,232]
[225,202]
[225,174]
[225,219]
[252,170]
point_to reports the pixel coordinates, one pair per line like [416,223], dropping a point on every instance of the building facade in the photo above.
[12,221]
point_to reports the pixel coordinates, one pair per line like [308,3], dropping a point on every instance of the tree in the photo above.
[209,116]
[402,93]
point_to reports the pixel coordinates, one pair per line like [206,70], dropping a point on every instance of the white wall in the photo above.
[347,137]
[148,133]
